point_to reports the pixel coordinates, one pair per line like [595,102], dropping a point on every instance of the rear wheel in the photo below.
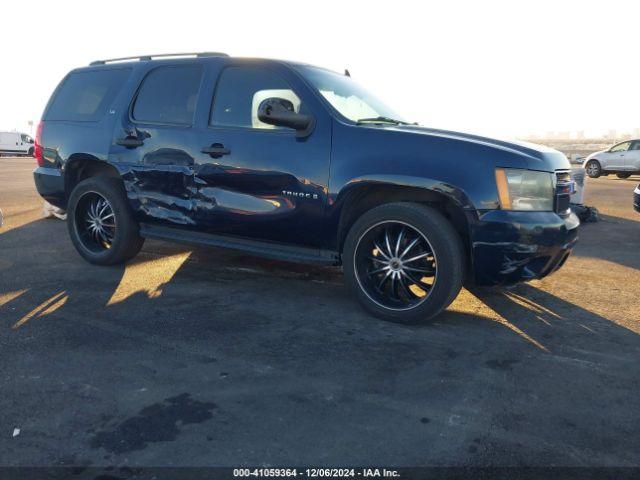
[404,262]
[623,175]
[100,222]
[594,170]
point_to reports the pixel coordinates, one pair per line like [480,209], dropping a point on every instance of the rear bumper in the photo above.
[509,247]
[50,185]
[636,198]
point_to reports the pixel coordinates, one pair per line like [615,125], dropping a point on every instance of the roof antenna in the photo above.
[346,73]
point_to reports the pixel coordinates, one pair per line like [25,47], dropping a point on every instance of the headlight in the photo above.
[524,189]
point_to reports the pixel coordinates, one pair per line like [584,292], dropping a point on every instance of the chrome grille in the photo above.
[563,190]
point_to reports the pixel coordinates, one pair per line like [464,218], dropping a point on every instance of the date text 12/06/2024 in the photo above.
[317,472]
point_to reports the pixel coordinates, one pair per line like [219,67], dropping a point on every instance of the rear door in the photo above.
[10,142]
[265,183]
[156,143]
[632,162]
[4,141]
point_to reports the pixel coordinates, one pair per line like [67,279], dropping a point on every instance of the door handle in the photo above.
[216,150]
[130,142]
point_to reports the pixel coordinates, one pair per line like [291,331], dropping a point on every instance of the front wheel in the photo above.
[623,175]
[594,170]
[404,262]
[100,222]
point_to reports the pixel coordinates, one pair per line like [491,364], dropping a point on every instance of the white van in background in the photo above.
[16,143]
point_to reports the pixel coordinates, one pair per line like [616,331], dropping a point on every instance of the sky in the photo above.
[500,68]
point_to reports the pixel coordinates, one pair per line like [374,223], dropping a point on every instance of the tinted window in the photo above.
[168,95]
[85,96]
[240,91]
[636,146]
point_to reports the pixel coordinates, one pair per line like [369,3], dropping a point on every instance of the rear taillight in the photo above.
[37,150]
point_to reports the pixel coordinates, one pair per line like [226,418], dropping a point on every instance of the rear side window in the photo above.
[85,96]
[168,95]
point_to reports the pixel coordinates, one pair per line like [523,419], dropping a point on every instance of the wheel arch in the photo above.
[360,197]
[81,166]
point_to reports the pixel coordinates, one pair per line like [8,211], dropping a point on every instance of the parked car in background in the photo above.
[16,143]
[623,159]
[287,160]
[636,198]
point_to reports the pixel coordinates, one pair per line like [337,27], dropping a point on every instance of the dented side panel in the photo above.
[271,185]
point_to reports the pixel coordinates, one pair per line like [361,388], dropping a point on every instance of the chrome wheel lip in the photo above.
[91,222]
[357,275]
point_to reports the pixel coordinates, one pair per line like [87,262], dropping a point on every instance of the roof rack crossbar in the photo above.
[160,55]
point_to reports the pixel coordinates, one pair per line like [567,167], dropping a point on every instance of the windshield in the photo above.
[349,98]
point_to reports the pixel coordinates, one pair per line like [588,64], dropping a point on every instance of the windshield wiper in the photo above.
[382,120]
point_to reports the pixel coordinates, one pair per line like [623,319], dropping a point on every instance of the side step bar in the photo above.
[255,247]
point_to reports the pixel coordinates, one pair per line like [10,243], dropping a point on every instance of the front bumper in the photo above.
[50,185]
[636,198]
[509,247]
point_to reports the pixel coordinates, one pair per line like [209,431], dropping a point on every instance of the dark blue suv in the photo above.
[297,162]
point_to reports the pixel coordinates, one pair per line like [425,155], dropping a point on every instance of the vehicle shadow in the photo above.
[176,281]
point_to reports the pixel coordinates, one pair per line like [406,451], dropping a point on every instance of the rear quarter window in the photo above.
[85,96]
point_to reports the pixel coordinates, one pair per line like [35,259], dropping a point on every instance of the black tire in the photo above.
[124,239]
[30,153]
[623,175]
[594,170]
[447,262]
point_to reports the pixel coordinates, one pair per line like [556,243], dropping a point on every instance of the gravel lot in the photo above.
[200,357]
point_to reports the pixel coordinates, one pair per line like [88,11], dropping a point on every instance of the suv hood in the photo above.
[537,157]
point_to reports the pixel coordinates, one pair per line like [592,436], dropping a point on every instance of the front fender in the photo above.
[456,194]
[362,193]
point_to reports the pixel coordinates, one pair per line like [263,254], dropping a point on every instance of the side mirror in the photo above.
[279,112]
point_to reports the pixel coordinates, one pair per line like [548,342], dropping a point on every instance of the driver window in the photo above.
[622,147]
[239,93]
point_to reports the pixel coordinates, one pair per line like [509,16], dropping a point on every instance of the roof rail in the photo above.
[160,55]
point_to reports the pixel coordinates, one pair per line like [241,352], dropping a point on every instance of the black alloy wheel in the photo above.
[404,261]
[95,222]
[100,221]
[395,265]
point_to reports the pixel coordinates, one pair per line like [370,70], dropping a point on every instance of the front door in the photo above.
[616,157]
[255,180]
